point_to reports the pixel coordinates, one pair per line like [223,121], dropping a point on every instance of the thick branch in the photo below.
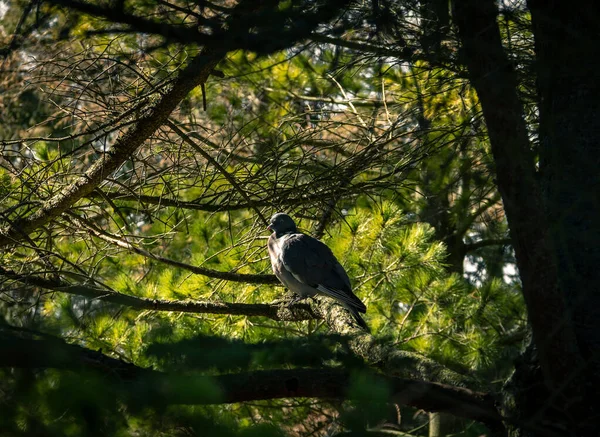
[334,384]
[328,383]
[179,32]
[22,349]
[269,33]
[196,72]
[388,358]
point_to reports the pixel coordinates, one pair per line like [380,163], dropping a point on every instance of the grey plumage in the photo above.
[306,266]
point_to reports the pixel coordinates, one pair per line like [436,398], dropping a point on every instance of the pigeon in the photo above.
[307,267]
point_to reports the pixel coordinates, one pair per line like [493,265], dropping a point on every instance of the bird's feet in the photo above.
[289,299]
[295,299]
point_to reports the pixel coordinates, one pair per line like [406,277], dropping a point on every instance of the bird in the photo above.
[306,266]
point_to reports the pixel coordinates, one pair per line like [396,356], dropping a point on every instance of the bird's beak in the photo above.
[270,228]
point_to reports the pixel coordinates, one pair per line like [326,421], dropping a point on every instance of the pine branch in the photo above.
[30,351]
[230,178]
[195,73]
[140,24]
[196,206]
[389,359]
[228,276]
[233,32]
[383,356]
[276,312]
[361,46]
[281,198]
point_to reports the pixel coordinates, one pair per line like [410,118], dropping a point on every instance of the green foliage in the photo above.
[398,149]
[60,403]
[222,354]
[368,400]
[397,270]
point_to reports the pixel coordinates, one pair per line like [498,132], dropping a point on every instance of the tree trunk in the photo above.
[567,44]
[553,391]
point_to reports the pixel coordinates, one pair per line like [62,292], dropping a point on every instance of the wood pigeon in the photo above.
[306,266]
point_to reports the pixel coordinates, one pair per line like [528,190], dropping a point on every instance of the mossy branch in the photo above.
[27,350]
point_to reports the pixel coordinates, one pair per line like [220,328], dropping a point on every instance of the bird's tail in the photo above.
[359,320]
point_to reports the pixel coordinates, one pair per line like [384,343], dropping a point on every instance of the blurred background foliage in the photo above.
[386,159]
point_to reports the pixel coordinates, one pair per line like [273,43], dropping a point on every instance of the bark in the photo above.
[164,388]
[495,82]
[381,354]
[567,45]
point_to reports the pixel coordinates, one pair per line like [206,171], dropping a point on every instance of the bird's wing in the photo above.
[312,262]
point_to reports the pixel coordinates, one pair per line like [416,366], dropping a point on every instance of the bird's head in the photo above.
[281,224]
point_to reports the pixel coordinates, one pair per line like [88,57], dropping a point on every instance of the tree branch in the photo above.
[334,384]
[24,349]
[276,312]
[167,201]
[388,359]
[230,178]
[281,198]
[195,73]
[228,276]
[265,18]
[361,46]
[485,243]
[379,354]
[164,388]
[140,24]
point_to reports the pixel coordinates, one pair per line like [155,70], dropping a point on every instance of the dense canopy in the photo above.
[446,152]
